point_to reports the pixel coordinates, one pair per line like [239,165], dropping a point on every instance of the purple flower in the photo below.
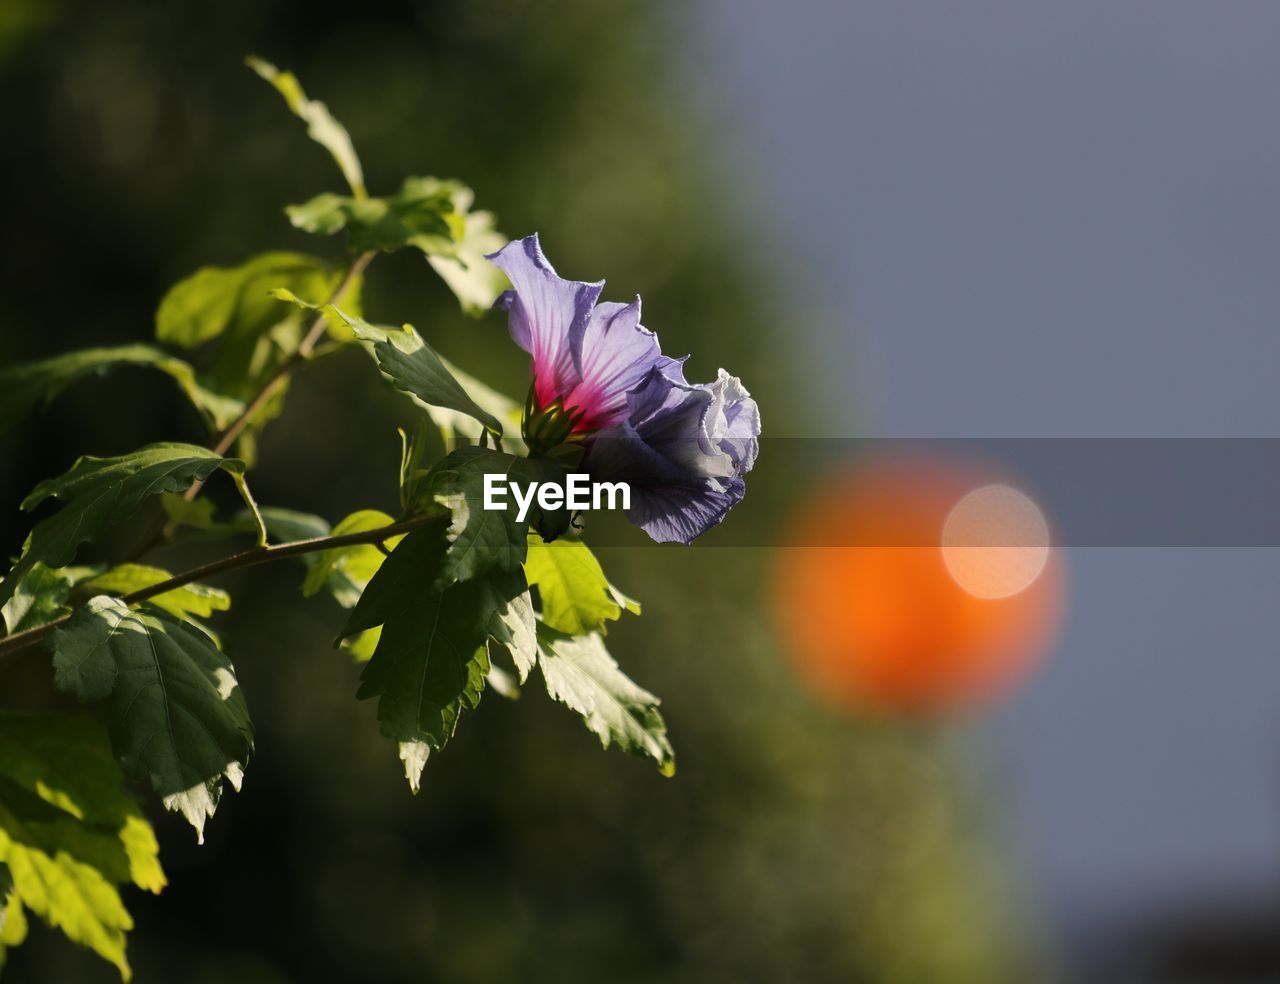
[683,448]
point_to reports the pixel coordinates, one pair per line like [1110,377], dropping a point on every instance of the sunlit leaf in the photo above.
[321,126]
[345,571]
[190,599]
[580,673]
[475,281]
[24,386]
[574,595]
[98,492]
[175,710]
[42,595]
[69,834]
[422,215]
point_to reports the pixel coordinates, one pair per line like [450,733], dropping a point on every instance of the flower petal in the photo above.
[616,354]
[548,314]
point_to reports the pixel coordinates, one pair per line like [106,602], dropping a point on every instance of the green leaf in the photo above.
[480,540]
[475,281]
[580,673]
[462,428]
[176,714]
[431,659]
[13,926]
[513,624]
[427,214]
[69,834]
[422,215]
[575,596]
[98,492]
[255,334]
[414,367]
[345,571]
[321,126]
[288,525]
[41,596]
[196,513]
[190,599]
[6,893]
[23,386]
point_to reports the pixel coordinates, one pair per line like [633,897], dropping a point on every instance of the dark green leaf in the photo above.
[414,367]
[98,492]
[24,386]
[321,126]
[580,673]
[176,712]
[431,658]
[480,540]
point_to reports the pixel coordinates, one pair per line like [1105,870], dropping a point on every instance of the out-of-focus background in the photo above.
[928,219]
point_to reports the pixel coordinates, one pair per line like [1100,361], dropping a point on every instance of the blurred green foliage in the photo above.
[794,845]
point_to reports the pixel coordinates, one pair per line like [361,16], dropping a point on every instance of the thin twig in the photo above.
[282,372]
[164,529]
[245,558]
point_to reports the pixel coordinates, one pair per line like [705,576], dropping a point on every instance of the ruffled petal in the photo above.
[548,314]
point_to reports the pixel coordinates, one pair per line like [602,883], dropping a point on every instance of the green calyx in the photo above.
[544,428]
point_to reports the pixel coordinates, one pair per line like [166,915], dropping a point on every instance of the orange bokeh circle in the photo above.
[869,613]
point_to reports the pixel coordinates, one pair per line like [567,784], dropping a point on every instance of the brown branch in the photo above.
[245,558]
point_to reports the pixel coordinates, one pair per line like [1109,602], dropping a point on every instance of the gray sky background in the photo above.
[1033,219]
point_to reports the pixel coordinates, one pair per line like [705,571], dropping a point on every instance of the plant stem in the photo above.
[245,558]
[282,372]
[301,354]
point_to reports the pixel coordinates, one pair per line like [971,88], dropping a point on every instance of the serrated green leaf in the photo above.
[345,571]
[513,625]
[69,833]
[580,673]
[431,658]
[575,596]
[98,492]
[41,596]
[321,126]
[176,713]
[66,761]
[480,540]
[190,599]
[462,428]
[415,368]
[24,386]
